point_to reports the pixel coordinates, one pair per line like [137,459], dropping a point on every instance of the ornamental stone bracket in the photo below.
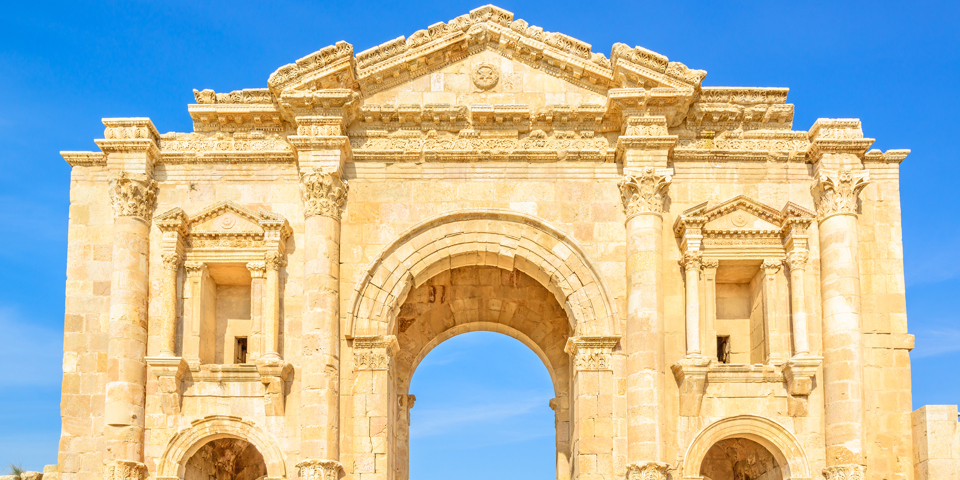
[645,192]
[845,472]
[592,353]
[170,372]
[374,352]
[799,373]
[647,471]
[691,376]
[319,470]
[125,470]
[273,374]
[323,194]
[836,192]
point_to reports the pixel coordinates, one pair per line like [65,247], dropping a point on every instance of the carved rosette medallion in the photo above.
[644,193]
[591,353]
[319,469]
[374,352]
[647,471]
[323,194]
[124,470]
[131,197]
[845,472]
[485,76]
[835,192]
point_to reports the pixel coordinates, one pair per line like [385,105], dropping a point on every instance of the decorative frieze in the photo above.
[836,192]
[647,471]
[133,197]
[644,192]
[323,194]
[319,470]
[592,352]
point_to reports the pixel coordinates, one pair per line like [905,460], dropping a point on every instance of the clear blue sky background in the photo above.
[65,65]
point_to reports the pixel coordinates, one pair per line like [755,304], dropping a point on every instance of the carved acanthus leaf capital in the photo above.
[647,471]
[323,194]
[592,352]
[374,352]
[124,470]
[710,263]
[692,260]
[644,192]
[771,266]
[319,469]
[171,261]
[845,472]
[835,192]
[133,197]
[257,269]
[194,268]
[797,259]
[273,260]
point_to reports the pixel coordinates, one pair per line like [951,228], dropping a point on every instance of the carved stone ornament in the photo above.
[319,470]
[647,471]
[835,192]
[323,194]
[845,472]
[771,266]
[797,259]
[131,197]
[273,260]
[485,76]
[644,193]
[692,260]
[374,352]
[591,353]
[124,470]
[171,261]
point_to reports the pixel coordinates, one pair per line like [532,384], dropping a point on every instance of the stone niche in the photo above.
[739,313]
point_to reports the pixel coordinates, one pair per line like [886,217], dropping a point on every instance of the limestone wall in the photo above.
[936,442]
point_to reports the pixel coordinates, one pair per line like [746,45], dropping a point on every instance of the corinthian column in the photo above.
[835,193]
[324,195]
[168,317]
[133,198]
[642,195]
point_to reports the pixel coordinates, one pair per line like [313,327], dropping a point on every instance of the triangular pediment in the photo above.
[487,28]
[225,217]
[742,213]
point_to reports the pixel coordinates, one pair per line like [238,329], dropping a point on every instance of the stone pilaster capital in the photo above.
[323,194]
[647,471]
[319,470]
[797,259]
[172,261]
[125,470]
[194,269]
[273,261]
[845,472]
[645,191]
[710,263]
[133,197]
[835,192]
[257,269]
[592,352]
[374,352]
[771,266]
[692,260]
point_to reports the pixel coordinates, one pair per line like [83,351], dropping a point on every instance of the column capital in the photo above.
[835,192]
[257,269]
[194,269]
[374,352]
[592,352]
[797,259]
[647,471]
[323,194]
[771,266]
[133,196]
[710,263]
[692,261]
[172,261]
[125,470]
[271,261]
[319,470]
[645,191]
[845,472]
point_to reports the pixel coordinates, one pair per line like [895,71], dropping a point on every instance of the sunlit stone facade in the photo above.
[715,294]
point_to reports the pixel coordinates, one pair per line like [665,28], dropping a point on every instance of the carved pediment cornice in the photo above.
[744,221]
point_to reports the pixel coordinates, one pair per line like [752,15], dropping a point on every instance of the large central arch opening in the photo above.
[507,303]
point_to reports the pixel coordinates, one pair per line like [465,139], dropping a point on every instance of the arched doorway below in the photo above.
[226,459]
[739,459]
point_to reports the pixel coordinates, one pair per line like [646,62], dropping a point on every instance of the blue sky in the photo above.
[65,65]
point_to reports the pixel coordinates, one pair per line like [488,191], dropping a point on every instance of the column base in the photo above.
[691,376]
[170,372]
[845,472]
[319,470]
[647,471]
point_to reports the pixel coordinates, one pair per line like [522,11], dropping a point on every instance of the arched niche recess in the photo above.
[508,240]
[188,441]
[769,434]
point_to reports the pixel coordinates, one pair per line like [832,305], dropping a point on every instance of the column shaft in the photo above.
[691,269]
[801,342]
[168,319]
[271,306]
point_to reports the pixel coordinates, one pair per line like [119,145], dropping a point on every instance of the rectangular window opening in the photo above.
[240,350]
[723,348]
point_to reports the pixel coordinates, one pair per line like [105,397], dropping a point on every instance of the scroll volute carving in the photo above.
[133,197]
[323,194]
[836,192]
[644,192]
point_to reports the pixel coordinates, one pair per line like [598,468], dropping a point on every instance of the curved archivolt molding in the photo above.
[771,435]
[213,427]
[503,239]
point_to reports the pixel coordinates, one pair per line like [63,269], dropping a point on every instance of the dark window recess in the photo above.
[723,348]
[240,350]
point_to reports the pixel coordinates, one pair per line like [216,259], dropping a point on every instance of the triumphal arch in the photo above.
[715,294]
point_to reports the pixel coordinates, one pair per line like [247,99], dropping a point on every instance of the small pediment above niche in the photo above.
[225,217]
[740,219]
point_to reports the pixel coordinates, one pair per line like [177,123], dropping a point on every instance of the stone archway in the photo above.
[771,436]
[225,459]
[186,443]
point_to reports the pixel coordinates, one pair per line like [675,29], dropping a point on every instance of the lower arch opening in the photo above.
[226,459]
[739,459]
